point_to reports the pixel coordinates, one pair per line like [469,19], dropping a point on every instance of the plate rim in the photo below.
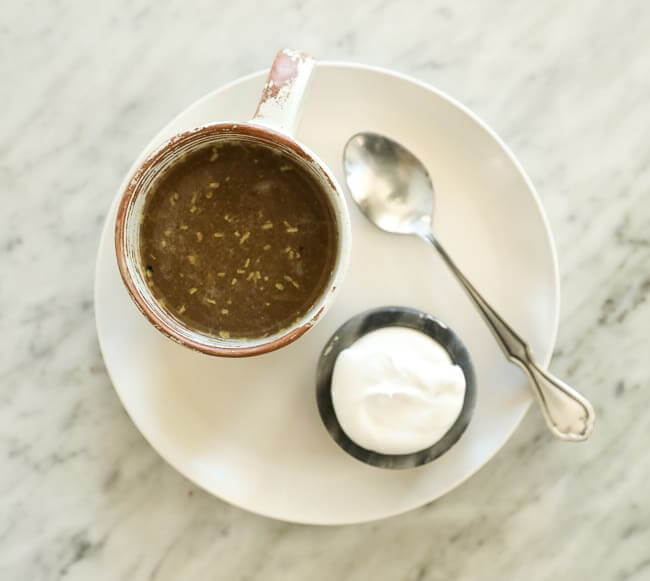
[545,357]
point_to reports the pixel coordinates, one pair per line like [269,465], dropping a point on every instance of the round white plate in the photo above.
[248,430]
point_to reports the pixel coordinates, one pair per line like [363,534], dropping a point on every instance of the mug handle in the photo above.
[285,87]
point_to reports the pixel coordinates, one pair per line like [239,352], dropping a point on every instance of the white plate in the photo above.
[248,430]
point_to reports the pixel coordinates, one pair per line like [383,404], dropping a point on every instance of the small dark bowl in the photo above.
[372,320]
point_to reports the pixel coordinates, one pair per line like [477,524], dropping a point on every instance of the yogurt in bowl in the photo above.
[395,387]
[397,391]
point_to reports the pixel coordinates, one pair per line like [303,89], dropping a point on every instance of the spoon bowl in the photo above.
[389,184]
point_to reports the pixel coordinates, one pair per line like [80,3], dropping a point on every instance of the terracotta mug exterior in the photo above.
[273,125]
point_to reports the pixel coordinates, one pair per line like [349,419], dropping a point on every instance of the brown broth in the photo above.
[238,240]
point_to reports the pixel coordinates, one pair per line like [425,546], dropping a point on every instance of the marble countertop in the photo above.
[84,87]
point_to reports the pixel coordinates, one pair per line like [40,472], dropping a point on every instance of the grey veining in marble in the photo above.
[84,85]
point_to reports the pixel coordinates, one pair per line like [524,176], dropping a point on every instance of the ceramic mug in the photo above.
[273,125]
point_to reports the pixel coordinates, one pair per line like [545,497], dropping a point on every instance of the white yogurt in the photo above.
[396,391]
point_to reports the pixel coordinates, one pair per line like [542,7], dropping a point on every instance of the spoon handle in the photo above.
[567,413]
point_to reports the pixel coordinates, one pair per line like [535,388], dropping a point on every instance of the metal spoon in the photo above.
[395,192]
